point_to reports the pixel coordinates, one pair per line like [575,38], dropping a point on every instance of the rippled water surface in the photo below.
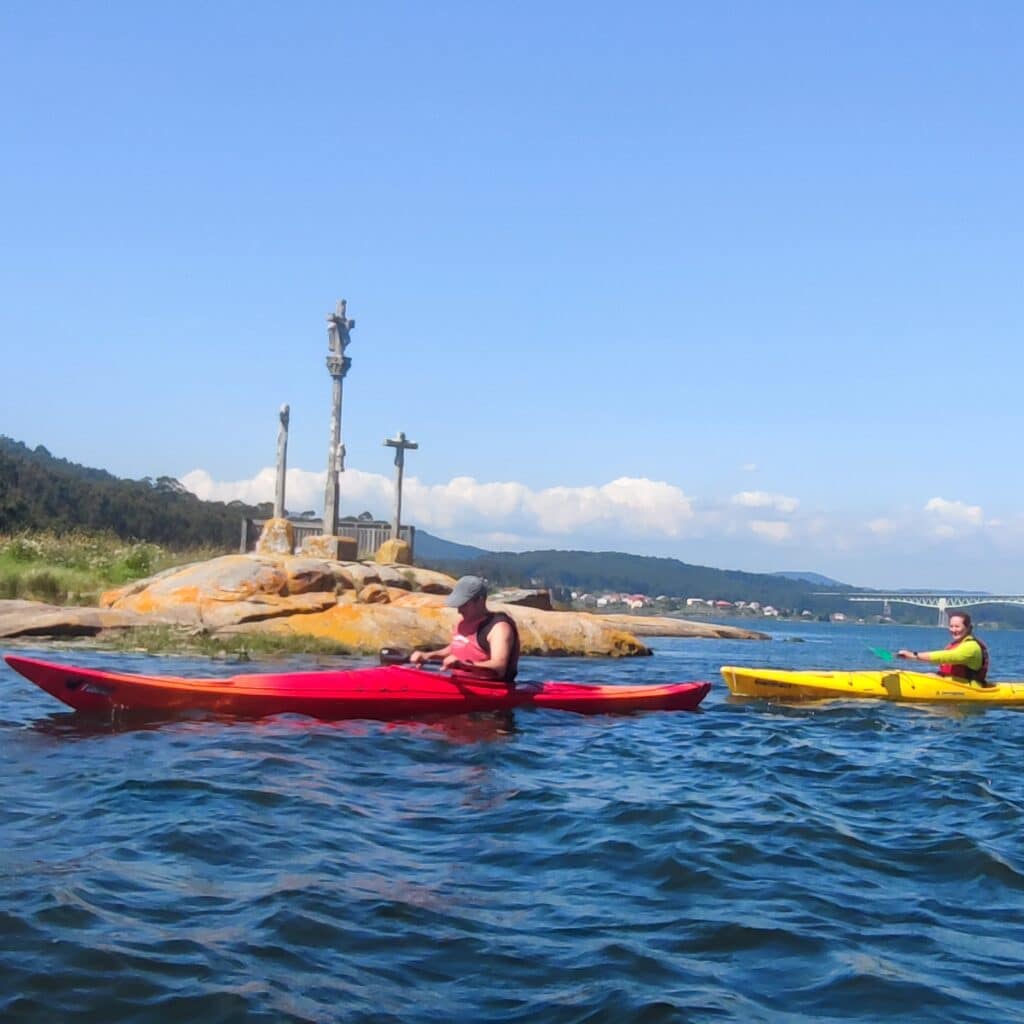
[749,862]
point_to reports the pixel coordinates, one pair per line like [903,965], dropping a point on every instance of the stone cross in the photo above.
[401,446]
[338,328]
[282,463]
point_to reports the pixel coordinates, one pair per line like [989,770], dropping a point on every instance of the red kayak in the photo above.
[385,693]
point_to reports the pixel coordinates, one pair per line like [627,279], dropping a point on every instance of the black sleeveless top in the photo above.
[483,631]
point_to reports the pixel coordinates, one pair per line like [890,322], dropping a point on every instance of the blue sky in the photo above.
[735,283]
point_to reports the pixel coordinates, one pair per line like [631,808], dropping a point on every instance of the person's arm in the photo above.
[500,640]
[417,657]
[968,653]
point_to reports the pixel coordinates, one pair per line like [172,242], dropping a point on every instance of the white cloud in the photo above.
[882,525]
[751,528]
[771,529]
[303,489]
[635,505]
[955,511]
[762,499]
[509,510]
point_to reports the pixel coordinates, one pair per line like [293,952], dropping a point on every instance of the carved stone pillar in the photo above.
[282,464]
[338,328]
[401,446]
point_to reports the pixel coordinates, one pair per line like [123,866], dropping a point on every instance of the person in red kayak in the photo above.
[965,658]
[484,643]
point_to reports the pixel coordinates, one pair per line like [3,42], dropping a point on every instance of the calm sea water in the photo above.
[749,862]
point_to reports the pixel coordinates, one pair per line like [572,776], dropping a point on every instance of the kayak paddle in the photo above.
[393,656]
[881,652]
[400,656]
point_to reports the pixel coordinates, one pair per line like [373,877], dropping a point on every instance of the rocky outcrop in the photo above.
[374,593]
[335,548]
[665,625]
[429,582]
[33,618]
[426,622]
[364,606]
[394,550]
[526,598]
[276,538]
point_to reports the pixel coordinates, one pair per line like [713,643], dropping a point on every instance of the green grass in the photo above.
[161,639]
[76,567]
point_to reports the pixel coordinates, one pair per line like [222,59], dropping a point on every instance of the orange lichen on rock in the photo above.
[359,605]
[366,627]
[276,538]
[374,593]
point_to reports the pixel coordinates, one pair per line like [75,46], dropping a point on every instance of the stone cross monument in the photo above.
[282,463]
[277,536]
[401,446]
[338,328]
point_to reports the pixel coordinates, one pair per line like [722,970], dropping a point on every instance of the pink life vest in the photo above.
[469,644]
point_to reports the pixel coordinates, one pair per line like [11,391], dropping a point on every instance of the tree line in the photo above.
[39,491]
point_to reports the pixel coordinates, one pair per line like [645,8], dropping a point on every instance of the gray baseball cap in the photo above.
[468,588]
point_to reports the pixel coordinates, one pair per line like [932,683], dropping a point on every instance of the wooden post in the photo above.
[282,463]
[338,328]
[401,446]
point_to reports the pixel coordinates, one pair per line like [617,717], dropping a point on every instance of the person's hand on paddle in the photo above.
[419,657]
[908,655]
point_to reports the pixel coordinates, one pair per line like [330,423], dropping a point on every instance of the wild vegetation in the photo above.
[239,647]
[75,567]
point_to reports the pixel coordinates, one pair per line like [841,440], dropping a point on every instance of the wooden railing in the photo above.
[368,534]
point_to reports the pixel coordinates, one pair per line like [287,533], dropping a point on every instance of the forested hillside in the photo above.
[599,571]
[41,492]
[603,571]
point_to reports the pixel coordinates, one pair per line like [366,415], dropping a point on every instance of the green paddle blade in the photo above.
[881,652]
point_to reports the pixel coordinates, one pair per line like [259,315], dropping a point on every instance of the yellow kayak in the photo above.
[784,684]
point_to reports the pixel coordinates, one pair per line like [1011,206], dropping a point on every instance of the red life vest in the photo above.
[963,671]
[470,644]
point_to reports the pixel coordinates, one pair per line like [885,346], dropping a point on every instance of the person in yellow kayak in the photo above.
[965,657]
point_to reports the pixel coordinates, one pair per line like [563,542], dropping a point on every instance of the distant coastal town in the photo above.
[664,603]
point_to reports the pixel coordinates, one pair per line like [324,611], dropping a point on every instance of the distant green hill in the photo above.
[435,549]
[603,571]
[614,571]
[811,577]
[39,491]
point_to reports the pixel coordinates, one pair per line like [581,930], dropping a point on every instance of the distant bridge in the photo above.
[930,599]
